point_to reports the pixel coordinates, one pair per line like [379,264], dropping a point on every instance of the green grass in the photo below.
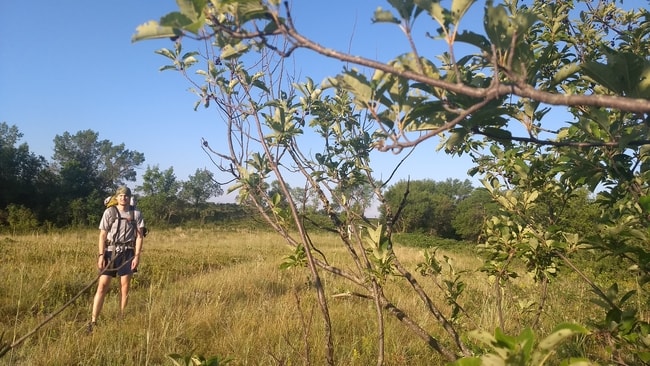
[220,293]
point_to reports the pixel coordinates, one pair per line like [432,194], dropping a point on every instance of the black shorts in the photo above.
[121,266]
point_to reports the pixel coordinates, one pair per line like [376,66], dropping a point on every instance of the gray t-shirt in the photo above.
[110,222]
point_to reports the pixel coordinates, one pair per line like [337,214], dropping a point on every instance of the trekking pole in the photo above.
[5,347]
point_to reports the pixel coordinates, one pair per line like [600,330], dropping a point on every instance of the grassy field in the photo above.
[221,293]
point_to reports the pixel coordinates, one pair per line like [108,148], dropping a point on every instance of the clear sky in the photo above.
[70,65]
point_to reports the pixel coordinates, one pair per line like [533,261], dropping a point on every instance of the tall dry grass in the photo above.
[221,293]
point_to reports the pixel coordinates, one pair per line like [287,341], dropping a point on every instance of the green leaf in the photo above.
[576,362]
[559,334]
[456,138]
[524,20]
[644,83]
[384,16]
[625,297]
[167,53]
[228,51]
[181,21]
[357,84]
[435,10]
[468,361]
[375,236]
[497,133]
[193,9]
[483,336]
[175,20]
[602,75]
[474,39]
[153,30]
[644,202]
[498,26]
[492,360]
[565,72]
[167,67]
[405,9]
[644,356]
[459,8]
[526,341]
[625,74]
[504,339]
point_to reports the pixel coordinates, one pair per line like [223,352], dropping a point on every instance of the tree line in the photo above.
[454,209]
[70,189]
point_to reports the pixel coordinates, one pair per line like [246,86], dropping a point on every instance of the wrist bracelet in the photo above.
[101,254]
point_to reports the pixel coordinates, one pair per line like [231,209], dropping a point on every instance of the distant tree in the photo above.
[274,191]
[357,196]
[21,219]
[306,199]
[88,163]
[200,187]
[471,213]
[429,206]
[24,176]
[160,191]
[418,212]
[89,169]
[582,213]
[9,135]
[197,191]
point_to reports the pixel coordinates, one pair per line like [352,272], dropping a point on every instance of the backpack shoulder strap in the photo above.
[132,219]
[117,215]
[118,218]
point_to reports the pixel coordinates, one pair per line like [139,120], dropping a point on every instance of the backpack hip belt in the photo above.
[120,247]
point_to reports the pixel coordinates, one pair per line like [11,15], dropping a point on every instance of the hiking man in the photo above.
[119,249]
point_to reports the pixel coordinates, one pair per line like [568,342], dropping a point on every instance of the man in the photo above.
[119,250]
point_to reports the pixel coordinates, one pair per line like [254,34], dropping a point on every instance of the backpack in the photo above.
[130,219]
[111,201]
